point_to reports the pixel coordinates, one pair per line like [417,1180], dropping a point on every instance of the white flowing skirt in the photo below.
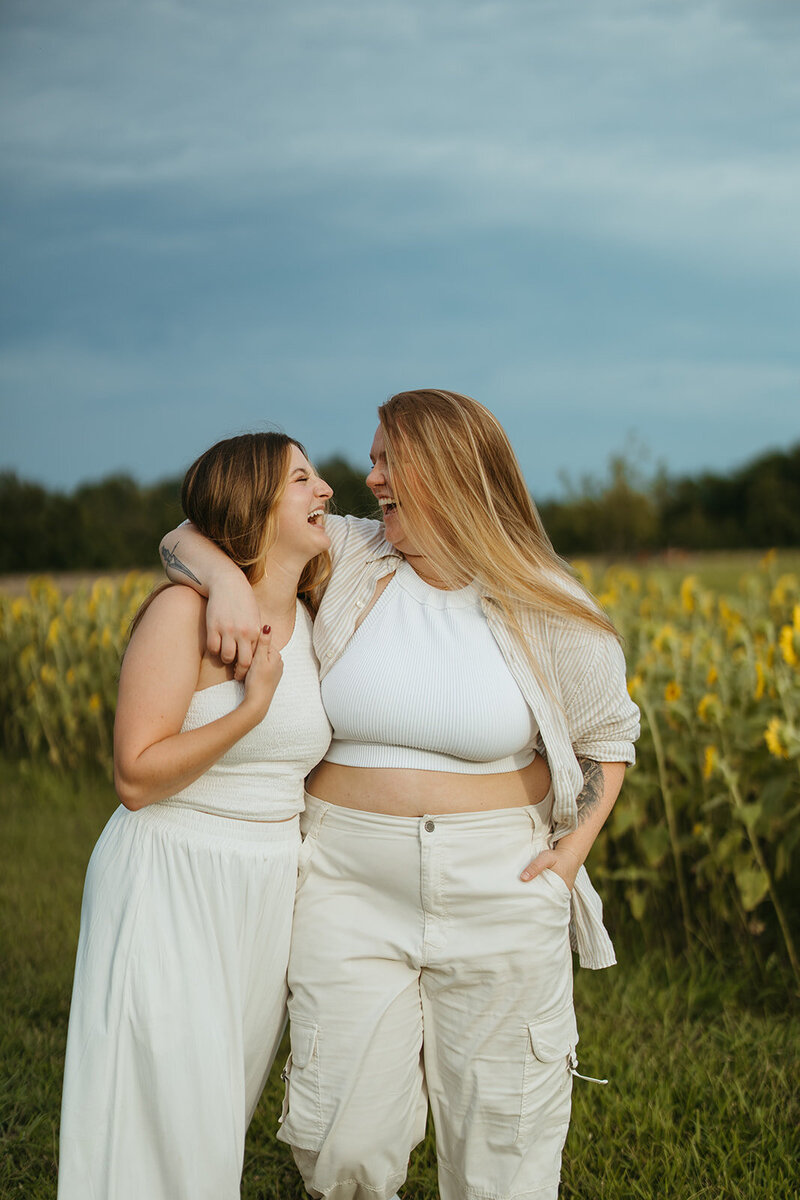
[178,1003]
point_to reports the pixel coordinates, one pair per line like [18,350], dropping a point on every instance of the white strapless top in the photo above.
[261,777]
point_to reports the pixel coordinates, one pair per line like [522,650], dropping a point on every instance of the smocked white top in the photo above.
[423,684]
[261,777]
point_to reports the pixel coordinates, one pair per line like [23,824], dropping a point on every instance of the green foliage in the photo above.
[114,523]
[706,828]
[59,667]
[758,505]
[50,821]
[117,523]
[618,515]
[36,527]
[630,512]
[350,493]
[118,519]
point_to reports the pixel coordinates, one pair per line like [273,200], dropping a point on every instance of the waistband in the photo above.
[459,822]
[211,825]
[588,934]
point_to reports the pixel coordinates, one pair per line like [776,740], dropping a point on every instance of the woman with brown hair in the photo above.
[179,996]
[481,728]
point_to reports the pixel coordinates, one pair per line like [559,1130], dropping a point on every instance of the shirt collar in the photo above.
[387,550]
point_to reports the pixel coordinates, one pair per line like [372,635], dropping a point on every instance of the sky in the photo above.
[257,214]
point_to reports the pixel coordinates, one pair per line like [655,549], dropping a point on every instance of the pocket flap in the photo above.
[553,1036]
[303,1038]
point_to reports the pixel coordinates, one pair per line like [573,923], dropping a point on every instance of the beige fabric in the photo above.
[578,696]
[407,926]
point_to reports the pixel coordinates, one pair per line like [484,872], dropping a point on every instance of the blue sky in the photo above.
[223,217]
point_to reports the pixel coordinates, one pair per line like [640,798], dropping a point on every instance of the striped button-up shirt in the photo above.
[576,691]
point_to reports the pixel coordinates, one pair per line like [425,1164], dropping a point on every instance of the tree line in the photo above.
[756,506]
[117,523]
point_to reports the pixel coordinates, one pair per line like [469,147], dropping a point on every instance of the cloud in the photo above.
[582,212]
[666,126]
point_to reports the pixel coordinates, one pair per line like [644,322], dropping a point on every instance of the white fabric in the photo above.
[423,685]
[261,777]
[577,692]
[179,996]
[178,1003]
[405,926]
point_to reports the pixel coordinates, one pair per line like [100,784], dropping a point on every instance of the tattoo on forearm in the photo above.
[593,786]
[173,563]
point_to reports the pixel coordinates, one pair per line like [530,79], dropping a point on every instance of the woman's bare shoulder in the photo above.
[180,601]
[175,612]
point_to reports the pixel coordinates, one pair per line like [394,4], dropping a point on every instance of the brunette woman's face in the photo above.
[301,512]
[380,485]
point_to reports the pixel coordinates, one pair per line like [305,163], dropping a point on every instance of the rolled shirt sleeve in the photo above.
[603,720]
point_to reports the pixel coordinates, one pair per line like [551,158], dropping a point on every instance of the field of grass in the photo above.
[703,1066]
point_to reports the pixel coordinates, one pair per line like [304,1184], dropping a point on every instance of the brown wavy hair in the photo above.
[464,498]
[231,493]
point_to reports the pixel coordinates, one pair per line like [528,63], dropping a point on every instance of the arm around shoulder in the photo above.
[232,617]
[354,538]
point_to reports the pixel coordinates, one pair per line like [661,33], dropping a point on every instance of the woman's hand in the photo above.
[263,676]
[601,784]
[233,622]
[561,860]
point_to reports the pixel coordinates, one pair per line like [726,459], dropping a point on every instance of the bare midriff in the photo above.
[401,792]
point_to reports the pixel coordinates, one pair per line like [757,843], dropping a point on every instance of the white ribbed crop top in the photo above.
[261,777]
[423,684]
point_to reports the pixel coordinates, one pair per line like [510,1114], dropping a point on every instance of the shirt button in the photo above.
[429,826]
[359,603]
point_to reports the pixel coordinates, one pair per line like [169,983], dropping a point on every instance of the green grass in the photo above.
[702,1102]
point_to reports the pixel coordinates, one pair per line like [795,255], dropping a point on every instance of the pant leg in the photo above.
[356,1102]
[497,1010]
[161,1064]
[265,933]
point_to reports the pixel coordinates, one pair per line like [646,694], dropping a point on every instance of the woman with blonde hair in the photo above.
[481,728]
[179,997]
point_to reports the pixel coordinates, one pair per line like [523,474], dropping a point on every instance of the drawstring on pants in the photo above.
[573,1070]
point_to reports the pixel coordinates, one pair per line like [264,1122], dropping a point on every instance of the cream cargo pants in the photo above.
[423,970]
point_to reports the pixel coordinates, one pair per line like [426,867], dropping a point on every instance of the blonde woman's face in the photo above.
[380,484]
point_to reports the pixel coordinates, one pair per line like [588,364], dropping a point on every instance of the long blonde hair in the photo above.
[464,499]
[231,493]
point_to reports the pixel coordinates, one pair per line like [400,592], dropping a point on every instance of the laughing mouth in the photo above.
[316,516]
[388,504]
